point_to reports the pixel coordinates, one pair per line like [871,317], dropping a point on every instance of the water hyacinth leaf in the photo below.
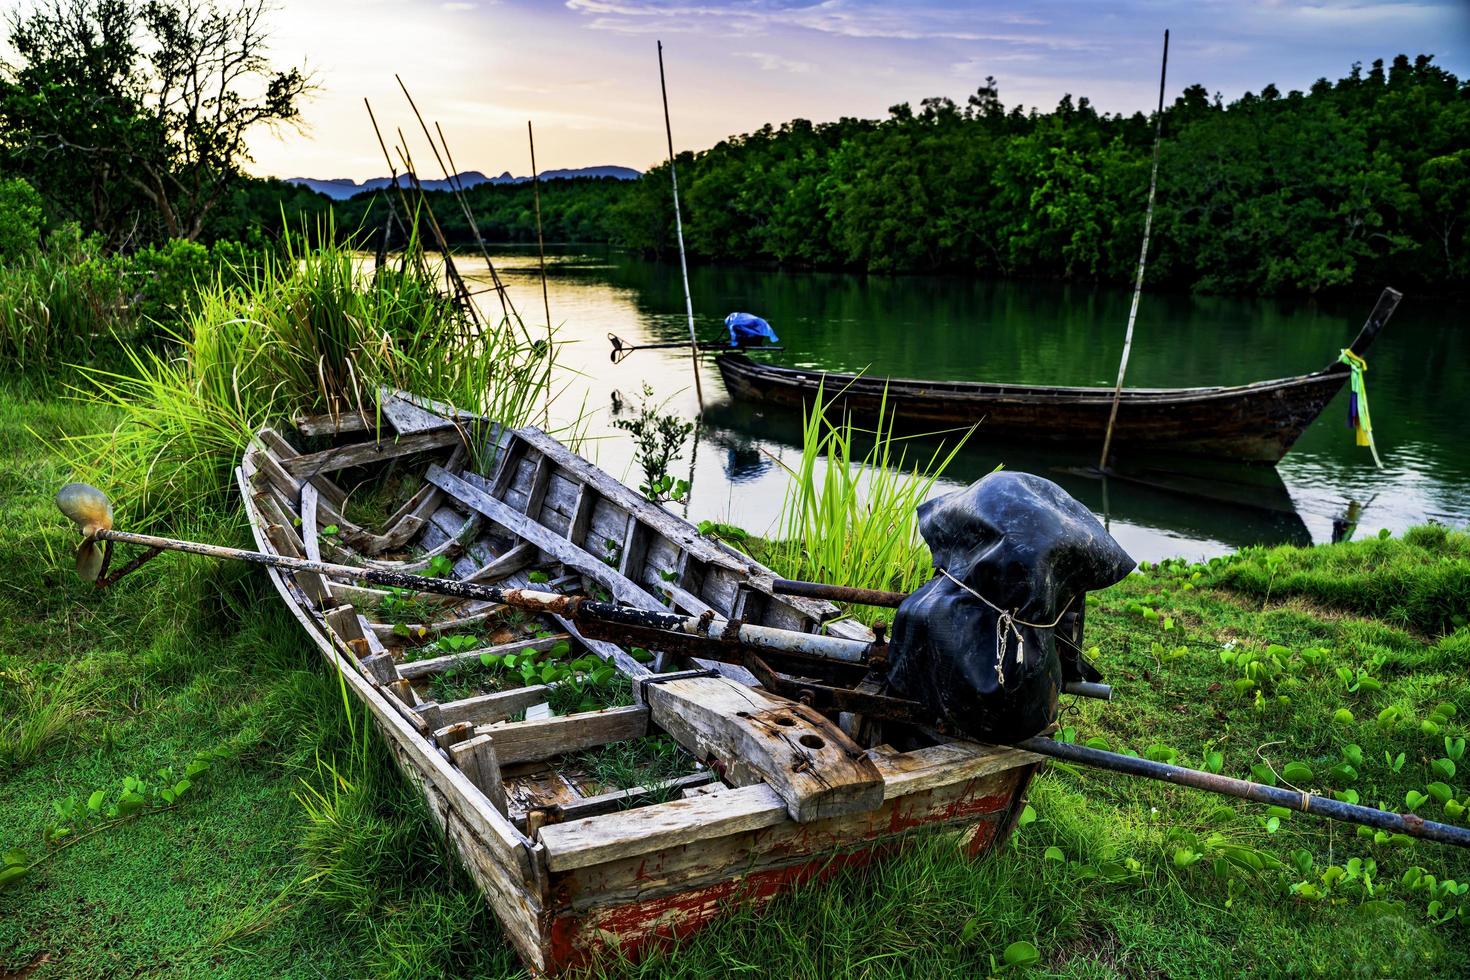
[1054,853]
[1021,954]
[1184,857]
[1214,761]
[1440,792]
[1297,772]
[1353,754]
[1161,753]
[1414,799]
[1454,747]
[1262,773]
[1098,742]
[1443,768]
[1342,716]
[1347,796]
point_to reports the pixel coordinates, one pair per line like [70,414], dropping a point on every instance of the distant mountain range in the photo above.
[341,188]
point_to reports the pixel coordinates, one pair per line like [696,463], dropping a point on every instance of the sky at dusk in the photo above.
[585,71]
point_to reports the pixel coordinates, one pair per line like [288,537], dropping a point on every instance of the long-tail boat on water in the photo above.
[626,728]
[1257,423]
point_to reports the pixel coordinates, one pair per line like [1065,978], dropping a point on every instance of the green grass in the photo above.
[849,513]
[304,853]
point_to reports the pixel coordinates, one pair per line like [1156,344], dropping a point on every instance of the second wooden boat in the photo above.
[1256,422]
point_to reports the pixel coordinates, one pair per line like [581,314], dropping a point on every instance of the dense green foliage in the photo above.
[130,117]
[1350,184]
[572,210]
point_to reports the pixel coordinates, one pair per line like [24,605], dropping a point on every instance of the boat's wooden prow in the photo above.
[754,735]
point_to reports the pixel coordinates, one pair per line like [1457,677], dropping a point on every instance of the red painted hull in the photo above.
[984,810]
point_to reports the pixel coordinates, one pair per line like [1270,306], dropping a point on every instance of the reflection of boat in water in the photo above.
[1234,504]
[1256,422]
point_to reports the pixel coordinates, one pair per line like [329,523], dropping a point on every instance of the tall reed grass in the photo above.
[850,514]
[307,329]
[56,304]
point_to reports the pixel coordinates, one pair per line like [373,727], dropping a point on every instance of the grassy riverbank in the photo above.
[299,852]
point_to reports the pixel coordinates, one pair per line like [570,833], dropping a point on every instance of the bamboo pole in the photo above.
[451,177]
[541,250]
[679,232]
[1148,221]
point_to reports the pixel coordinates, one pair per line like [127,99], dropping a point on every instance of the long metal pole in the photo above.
[541,249]
[679,232]
[1403,823]
[1148,221]
[819,647]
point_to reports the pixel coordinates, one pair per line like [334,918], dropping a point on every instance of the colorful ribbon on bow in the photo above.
[1358,418]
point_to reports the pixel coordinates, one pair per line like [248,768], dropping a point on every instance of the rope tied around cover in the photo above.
[1358,418]
[1005,627]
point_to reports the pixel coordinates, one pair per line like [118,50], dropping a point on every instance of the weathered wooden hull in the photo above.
[1256,423]
[569,874]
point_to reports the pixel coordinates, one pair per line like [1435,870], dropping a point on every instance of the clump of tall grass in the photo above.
[850,517]
[308,329]
[56,303]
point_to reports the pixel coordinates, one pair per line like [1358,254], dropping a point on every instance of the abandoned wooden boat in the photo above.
[602,796]
[1256,422]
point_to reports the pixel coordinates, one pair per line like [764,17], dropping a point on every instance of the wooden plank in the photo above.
[615,800]
[806,759]
[528,530]
[582,515]
[414,669]
[537,492]
[524,741]
[310,535]
[582,843]
[363,453]
[512,561]
[331,425]
[906,773]
[408,418]
[478,759]
[490,708]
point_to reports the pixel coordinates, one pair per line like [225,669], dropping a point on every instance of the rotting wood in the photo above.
[479,759]
[614,800]
[437,665]
[363,453]
[346,423]
[524,741]
[408,418]
[517,558]
[486,709]
[812,765]
[559,548]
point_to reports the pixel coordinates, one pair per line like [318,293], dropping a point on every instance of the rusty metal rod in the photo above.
[573,607]
[838,593]
[1404,823]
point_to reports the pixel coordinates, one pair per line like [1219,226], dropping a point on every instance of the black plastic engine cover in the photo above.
[1031,550]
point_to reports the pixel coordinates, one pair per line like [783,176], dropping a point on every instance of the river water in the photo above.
[1038,333]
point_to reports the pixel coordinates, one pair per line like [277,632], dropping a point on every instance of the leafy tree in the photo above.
[20,219]
[132,116]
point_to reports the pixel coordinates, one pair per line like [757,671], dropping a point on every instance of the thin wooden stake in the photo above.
[679,232]
[541,248]
[1148,221]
